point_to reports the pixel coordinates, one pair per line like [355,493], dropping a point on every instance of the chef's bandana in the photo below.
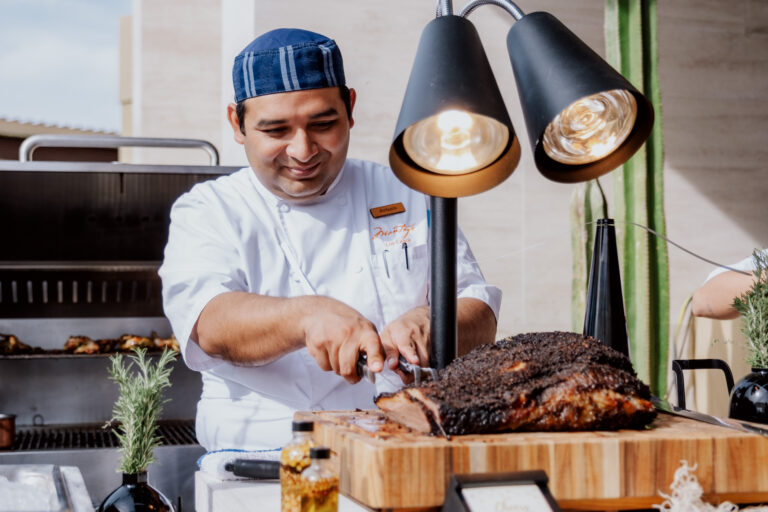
[287,59]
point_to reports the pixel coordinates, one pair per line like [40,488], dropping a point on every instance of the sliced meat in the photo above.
[537,381]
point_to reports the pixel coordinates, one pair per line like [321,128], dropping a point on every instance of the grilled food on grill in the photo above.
[80,344]
[10,345]
[537,381]
[170,343]
[131,341]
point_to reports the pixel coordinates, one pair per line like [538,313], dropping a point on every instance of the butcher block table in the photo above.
[385,466]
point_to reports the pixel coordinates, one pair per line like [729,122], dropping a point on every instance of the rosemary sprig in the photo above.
[139,406]
[753,306]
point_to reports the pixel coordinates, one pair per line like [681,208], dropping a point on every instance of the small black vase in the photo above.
[604,318]
[135,495]
[749,398]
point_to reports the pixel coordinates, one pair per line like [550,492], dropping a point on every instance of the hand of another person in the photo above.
[407,335]
[335,335]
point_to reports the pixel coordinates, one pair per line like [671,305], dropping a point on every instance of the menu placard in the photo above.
[506,498]
[522,491]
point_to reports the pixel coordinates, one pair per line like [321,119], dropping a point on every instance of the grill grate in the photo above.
[73,437]
[83,290]
[14,291]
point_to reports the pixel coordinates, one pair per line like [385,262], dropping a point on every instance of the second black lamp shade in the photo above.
[583,118]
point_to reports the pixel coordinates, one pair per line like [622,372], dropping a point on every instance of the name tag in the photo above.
[390,209]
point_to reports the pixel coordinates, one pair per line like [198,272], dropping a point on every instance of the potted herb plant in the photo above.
[749,398]
[136,412]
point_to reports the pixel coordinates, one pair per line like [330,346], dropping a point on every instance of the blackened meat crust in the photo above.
[550,381]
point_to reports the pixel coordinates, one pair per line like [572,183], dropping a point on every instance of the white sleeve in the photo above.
[747,265]
[469,279]
[201,261]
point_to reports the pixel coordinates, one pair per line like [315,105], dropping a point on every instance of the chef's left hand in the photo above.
[407,335]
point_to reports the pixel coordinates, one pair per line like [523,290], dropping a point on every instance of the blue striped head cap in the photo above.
[284,60]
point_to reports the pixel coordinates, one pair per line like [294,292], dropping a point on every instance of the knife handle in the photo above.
[256,469]
[362,368]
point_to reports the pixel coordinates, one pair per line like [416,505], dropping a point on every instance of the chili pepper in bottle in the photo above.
[320,483]
[294,458]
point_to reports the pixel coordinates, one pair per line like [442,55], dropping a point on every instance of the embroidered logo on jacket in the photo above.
[394,235]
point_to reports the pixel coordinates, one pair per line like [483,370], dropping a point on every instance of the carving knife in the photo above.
[419,373]
[741,426]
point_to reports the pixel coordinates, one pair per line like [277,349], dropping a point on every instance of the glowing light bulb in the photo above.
[591,127]
[455,142]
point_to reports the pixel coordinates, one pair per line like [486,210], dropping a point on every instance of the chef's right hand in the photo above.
[335,335]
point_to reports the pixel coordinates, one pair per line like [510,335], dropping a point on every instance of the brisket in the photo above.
[551,381]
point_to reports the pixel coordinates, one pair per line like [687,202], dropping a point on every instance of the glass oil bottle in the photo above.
[320,483]
[294,458]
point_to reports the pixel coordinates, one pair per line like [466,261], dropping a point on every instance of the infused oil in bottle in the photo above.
[320,483]
[294,458]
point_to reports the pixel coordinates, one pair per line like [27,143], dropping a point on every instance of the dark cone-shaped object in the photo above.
[604,319]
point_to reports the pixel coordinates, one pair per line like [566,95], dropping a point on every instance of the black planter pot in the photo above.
[135,495]
[749,398]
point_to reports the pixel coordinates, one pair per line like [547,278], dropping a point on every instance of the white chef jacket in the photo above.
[233,234]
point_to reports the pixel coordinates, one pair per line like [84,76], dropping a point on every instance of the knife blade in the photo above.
[741,426]
[419,373]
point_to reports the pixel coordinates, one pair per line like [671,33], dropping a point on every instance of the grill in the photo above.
[82,242]
[88,289]
[77,437]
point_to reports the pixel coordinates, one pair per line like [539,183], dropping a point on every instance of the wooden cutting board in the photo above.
[384,465]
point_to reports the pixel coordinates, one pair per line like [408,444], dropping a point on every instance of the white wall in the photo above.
[176,83]
[714,80]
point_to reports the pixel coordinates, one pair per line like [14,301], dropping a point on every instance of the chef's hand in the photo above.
[407,335]
[335,335]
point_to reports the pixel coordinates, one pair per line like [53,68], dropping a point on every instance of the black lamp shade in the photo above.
[553,69]
[451,72]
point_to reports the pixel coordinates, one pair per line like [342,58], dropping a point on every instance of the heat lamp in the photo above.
[454,137]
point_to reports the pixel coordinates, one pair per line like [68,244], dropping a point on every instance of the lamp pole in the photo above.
[442,311]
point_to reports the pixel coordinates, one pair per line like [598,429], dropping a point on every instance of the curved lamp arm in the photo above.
[507,5]
[444,8]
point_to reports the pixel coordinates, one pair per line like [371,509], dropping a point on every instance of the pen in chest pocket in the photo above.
[385,258]
[386,264]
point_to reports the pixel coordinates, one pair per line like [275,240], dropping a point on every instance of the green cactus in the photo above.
[638,197]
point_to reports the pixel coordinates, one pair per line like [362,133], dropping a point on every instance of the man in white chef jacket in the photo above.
[278,276]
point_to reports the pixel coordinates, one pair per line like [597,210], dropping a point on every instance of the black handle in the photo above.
[678,365]
[257,469]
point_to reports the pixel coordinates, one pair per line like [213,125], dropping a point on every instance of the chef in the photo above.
[278,276]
